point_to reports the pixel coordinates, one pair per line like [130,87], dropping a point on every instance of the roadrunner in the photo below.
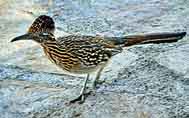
[86,54]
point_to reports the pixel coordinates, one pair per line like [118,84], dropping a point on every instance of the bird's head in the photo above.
[42,29]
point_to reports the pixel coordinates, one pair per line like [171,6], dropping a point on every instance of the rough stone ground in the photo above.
[145,81]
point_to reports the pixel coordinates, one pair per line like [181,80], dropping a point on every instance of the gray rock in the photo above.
[145,81]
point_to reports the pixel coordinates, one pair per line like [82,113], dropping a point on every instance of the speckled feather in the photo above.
[80,53]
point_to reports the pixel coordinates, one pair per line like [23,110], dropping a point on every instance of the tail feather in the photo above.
[149,38]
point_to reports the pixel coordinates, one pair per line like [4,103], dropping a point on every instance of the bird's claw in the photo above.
[99,82]
[81,98]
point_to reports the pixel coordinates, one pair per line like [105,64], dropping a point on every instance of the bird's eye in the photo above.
[45,34]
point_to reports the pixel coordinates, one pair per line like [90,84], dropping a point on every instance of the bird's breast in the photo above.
[61,58]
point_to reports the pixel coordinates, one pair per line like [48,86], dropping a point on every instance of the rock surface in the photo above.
[145,81]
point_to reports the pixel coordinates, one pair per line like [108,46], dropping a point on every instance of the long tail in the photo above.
[148,38]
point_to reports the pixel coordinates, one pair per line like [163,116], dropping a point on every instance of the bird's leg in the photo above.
[81,97]
[97,81]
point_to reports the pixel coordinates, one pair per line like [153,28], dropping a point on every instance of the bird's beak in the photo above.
[26,36]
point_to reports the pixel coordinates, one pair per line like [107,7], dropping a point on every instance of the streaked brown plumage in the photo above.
[86,54]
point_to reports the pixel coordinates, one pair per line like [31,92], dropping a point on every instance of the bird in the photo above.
[85,54]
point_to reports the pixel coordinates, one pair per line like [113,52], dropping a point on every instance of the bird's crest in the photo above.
[42,24]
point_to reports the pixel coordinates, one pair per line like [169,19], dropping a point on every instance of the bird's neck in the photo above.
[49,43]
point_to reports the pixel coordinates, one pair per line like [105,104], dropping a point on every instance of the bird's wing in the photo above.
[90,50]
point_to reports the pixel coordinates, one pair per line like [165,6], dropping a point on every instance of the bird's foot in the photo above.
[81,98]
[96,83]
